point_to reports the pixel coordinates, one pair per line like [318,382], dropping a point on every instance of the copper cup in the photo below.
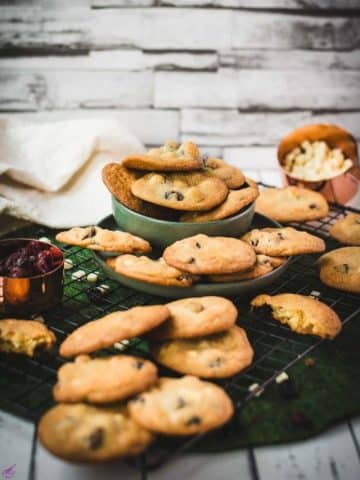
[28,296]
[339,189]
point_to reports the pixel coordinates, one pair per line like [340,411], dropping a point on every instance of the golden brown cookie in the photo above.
[182,406]
[103,380]
[283,242]
[347,230]
[340,269]
[219,355]
[113,328]
[232,176]
[264,264]
[302,314]
[25,336]
[201,254]
[84,433]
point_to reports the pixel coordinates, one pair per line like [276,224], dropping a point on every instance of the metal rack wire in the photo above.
[26,383]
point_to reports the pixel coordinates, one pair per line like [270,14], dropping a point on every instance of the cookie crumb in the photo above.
[309,362]
[256,389]
[282,377]
[78,275]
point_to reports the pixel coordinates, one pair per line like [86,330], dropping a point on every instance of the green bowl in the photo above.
[163,232]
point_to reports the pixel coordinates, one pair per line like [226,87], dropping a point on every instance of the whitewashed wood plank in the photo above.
[278,4]
[230,127]
[271,177]
[256,158]
[331,456]
[260,89]
[20,92]
[253,174]
[355,422]
[121,3]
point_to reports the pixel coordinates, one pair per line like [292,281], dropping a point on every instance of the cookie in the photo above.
[201,254]
[283,242]
[25,336]
[195,317]
[151,271]
[84,433]
[291,204]
[182,406]
[103,380]
[341,269]
[97,238]
[347,230]
[181,191]
[219,355]
[264,264]
[234,202]
[113,328]
[232,176]
[169,157]
[302,314]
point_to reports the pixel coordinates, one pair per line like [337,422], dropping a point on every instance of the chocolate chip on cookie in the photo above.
[232,176]
[340,269]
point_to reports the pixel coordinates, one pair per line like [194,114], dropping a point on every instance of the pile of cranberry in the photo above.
[33,259]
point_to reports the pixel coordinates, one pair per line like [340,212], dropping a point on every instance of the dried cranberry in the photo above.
[18,272]
[33,248]
[44,262]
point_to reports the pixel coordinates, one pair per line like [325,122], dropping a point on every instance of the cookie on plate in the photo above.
[340,269]
[302,314]
[264,264]
[181,191]
[97,238]
[232,176]
[85,433]
[113,328]
[25,336]
[103,380]
[347,230]
[182,406]
[291,204]
[201,254]
[169,157]
[283,242]
[148,270]
[219,355]
[195,317]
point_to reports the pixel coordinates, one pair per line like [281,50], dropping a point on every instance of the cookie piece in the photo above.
[302,314]
[25,336]
[201,254]
[103,380]
[219,355]
[195,317]
[169,157]
[234,202]
[283,242]
[151,271]
[113,328]
[97,238]
[291,204]
[232,176]
[182,406]
[347,230]
[264,264]
[84,433]
[340,269]
[181,191]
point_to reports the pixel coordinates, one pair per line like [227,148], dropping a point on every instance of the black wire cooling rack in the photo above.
[26,383]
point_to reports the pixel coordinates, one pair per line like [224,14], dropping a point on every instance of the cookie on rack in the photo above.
[84,433]
[264,264]
[219,355]
[181,191]
[347,229]
[283,242]
[340,269]
[97,238]
[148,270]
[182,406]
[169,157]
[302,314]
[201,254]
[292,204]
[113,328]
[232,176]
[196,316]
[25,336]
[103,380]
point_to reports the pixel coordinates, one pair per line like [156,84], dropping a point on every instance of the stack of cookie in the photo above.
[174,182]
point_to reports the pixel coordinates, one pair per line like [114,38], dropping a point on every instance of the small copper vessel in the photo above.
[28,296]
[339,189]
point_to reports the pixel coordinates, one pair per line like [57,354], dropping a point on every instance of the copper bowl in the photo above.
[339,189]
[28,296]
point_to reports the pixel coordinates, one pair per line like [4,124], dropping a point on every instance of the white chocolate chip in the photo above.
[123,345]
[314,293]
[44,239]
[92,277]
[78,275]
[68,264]
[282,377]
[103,287]
[256,389]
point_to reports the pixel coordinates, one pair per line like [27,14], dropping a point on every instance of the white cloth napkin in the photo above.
[50,173]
